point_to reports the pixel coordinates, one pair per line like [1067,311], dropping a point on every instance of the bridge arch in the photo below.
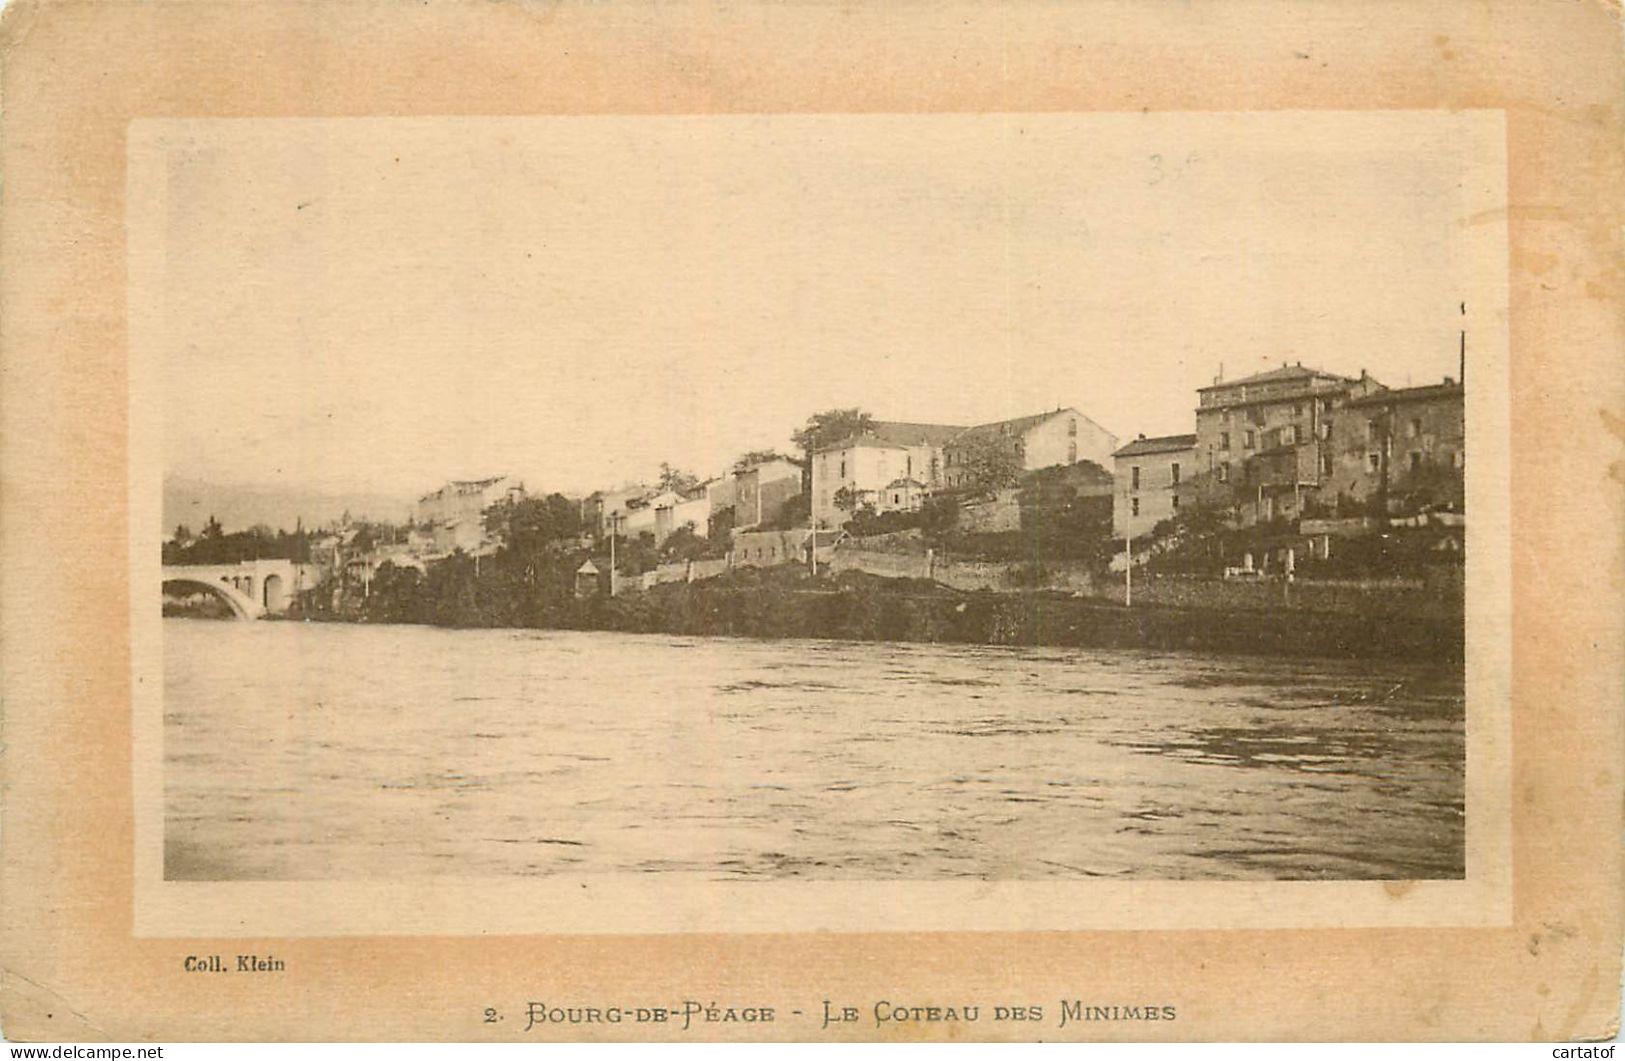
[273,593]
[242,606]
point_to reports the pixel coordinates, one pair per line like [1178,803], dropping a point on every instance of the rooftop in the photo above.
[463,486]
[1277,375]
[898,433]
[1449,389]
[1002,428]
[1160,444]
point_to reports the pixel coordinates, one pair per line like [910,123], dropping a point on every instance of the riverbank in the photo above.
[852,606]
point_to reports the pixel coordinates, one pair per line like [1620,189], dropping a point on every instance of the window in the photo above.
[1297,410]
[1416,428]
[1326,429]
[1072,428]
[1173,471]
[843,467]
[1224,417]
[1455,460]
[1176,502]
[1224,440]
[1224,472]
[1371,431]
[1072,453]
[1325,405]
[1297,434]
[908,466]
[1134,477]
[1134,506]
[1375,461]
[1247,440]
[896,498]
[1416,460]
[1326,464]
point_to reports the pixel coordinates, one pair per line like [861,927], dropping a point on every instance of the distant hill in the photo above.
[192,502]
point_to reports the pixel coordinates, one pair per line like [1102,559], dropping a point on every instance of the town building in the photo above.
[902,495]
[1400,450]
[1064,436]
[858,469]
[674,511]
[454,515]
[606,510]
[793,545]
[1151,481]
[1263,442]
[467,498]
[762,489]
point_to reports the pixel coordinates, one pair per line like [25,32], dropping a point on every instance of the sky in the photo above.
[382,304]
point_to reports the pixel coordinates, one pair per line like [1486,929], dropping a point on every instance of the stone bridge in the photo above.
[251,589]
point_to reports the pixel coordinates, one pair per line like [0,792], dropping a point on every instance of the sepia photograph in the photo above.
[538,522]
[818,497]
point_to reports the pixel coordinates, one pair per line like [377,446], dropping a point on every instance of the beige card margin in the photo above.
[610,904]
[75,74]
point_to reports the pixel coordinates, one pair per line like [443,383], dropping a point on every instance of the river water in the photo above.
[303,751]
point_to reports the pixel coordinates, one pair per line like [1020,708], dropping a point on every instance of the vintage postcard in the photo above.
[554,521]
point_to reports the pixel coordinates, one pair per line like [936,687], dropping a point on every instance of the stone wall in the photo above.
[1413,597]
[968,575]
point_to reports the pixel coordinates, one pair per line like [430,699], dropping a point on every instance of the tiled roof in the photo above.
[1009,428]
[1160,444]
[1428,392]
[1285,372]
[898,433]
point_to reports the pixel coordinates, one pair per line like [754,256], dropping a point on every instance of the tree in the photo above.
[676,480]
[721,523]
[183,535]
[528,526]
[793,513]
[848,500]
[987,463]
[831,425]
[757,456]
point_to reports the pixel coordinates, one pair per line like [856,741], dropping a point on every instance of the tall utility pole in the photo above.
[1128,571]
[614,530]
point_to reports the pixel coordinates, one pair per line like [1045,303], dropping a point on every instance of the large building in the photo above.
[604,510]
[1401,448]
[862,466]
[454,515]
[674,511]
[1263,442]
[1151,482]
[762,489]
[1064,436]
